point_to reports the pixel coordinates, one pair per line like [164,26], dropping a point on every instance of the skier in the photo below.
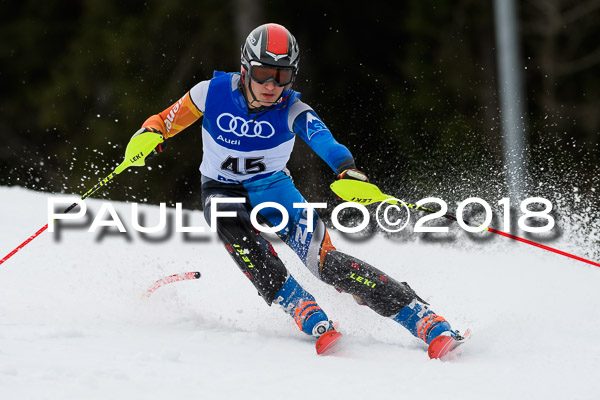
[250,122]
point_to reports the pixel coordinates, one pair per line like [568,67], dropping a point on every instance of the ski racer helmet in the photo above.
[270,53]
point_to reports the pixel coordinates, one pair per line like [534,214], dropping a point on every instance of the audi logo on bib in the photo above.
[241,127]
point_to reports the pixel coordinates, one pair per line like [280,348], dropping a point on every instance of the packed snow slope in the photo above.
[73,323]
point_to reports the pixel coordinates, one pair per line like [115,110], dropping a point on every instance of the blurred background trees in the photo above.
[410,87]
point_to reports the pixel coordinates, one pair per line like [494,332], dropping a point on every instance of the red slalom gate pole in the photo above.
[508,235]
[542,246]
[367,193]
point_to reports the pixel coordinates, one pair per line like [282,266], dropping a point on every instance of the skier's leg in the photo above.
[249,251]
[383,294]
[301,305]
[367,284]
[257,259]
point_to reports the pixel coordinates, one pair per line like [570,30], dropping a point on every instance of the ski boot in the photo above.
[432,328]
[326,342]
[310,318]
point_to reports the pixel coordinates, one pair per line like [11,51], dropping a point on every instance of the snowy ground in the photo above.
[73,324]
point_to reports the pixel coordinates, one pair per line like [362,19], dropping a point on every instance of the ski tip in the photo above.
[326,343]
[442,345]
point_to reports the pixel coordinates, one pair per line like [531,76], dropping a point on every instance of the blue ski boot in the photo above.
[422,322]
[301,305]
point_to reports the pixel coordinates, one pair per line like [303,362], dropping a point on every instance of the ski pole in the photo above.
[367,193]
[510,236]
[136,152]
[72,206]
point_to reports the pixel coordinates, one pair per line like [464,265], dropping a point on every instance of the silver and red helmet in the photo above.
[270,53]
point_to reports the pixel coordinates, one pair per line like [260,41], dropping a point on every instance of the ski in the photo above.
[442,345]
[327,342]
[169,279]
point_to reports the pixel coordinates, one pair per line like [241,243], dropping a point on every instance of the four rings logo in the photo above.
[241,127]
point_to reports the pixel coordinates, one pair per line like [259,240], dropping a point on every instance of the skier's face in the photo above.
[266,93]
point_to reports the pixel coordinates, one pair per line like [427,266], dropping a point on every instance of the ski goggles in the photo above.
[279,76]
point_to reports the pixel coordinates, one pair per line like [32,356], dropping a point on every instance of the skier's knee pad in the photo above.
[383,294]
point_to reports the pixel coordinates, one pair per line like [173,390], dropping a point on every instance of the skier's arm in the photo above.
[175,118]
[315,133]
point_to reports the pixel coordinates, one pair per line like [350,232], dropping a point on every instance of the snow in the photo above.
[74,324]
